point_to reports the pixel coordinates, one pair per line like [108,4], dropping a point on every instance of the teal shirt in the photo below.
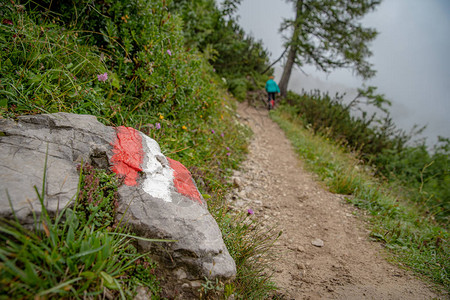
[272,86]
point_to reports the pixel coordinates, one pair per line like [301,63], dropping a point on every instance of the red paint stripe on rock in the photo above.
[128,154]
[182,179]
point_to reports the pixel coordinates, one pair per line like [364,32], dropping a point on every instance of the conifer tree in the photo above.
[328,34]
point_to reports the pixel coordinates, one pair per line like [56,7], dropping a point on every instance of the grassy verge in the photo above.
[415,240]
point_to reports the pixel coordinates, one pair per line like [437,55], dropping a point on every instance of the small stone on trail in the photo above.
[317,242]
[242,194]
[237,182]
[142,293]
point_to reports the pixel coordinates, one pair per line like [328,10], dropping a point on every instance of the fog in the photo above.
[410,55]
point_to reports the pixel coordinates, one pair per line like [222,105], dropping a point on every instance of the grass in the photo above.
[415,239]
[78,253]
[250,245]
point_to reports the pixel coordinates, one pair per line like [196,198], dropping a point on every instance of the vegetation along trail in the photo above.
[324,251]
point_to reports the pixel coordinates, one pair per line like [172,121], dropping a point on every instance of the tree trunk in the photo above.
[283,84]
[287,71]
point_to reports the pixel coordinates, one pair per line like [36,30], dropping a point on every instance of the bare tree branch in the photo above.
[278,59]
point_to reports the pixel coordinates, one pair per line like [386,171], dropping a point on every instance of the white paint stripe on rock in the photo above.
[159,176]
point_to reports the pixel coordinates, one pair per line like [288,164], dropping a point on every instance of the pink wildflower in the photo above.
[250,211]
[158,126]
[102,77]
[169,52]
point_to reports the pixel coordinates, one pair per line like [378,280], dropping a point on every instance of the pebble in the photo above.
[185,285]
[237,182]
[317,242]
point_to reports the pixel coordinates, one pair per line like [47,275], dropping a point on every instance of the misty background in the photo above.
[410,55]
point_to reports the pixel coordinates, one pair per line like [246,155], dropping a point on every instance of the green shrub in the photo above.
[238,87]
[424,173]
[331,116]
[215,31]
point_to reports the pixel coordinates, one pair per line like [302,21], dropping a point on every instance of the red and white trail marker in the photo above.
[135,152]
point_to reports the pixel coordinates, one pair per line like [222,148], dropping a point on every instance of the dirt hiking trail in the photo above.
[343,263]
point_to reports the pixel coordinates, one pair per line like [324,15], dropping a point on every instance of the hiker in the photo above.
[271,89]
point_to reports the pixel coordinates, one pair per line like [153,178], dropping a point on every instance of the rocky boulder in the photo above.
[159,198]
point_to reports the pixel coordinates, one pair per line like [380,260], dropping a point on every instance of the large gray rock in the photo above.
[159,201]
[64,139]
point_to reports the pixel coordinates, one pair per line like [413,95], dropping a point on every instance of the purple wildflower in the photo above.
[250,211]
[158,126]
[212,131]
[228,153]
[102,77]
[228,148]
[222,135]
[169,52]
